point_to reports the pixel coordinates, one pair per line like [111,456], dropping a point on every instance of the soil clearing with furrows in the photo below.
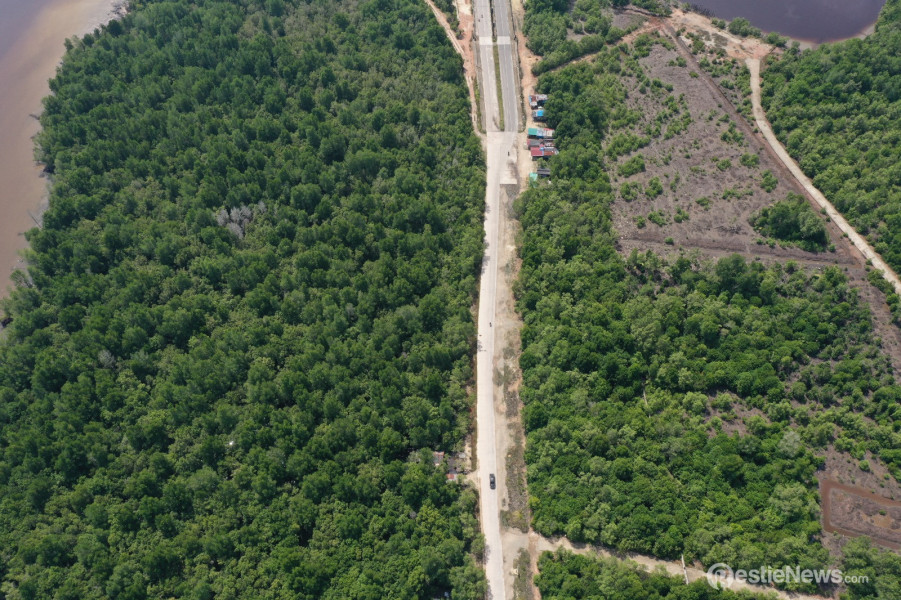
[854,510]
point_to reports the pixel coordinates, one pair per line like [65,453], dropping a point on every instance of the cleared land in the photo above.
[707,195]
[852,510]
[703,173]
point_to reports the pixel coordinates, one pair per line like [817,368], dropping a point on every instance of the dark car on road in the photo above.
[491,481]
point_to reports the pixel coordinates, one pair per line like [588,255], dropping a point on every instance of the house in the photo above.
[542,151]
[536,100]
[543,172]
[541,133]
[540,143]
[539,115]
[455,464]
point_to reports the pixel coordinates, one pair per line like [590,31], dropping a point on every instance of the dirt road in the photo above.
[764,126]
[672,568]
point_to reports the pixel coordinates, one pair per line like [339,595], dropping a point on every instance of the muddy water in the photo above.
[810,20]
[32,33]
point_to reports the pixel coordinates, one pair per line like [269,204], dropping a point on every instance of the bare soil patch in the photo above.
[703,196]
[853,511]
[735,46]
[625,19]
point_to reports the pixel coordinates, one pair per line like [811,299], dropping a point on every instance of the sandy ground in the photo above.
[736,47]
[509,430]
[463,46]
[24,72]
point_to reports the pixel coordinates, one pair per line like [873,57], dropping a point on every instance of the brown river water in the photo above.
[814,21]
[32,34]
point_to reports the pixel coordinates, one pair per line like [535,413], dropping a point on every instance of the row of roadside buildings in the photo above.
[541,140]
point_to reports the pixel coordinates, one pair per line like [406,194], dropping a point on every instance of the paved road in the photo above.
[501,155]
[498,144]
[481,10]
[764,126]
[506,50]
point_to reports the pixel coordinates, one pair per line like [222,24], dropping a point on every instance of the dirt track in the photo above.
[463,47]
[673,568]
[764,126]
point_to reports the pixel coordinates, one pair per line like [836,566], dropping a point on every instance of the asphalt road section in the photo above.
[506,51]
[484,37]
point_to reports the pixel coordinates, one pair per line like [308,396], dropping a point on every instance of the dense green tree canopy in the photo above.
[247,312]
[837,109]
[680,405]
[792,221]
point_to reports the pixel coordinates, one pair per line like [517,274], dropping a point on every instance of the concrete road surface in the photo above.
[484,37]
[499,145]
[501,156]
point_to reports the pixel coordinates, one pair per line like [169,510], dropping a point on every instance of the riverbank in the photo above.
[25,69]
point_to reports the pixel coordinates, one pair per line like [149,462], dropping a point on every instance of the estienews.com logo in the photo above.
[722,575]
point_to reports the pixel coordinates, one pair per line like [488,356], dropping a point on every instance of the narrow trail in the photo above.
[764,126]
